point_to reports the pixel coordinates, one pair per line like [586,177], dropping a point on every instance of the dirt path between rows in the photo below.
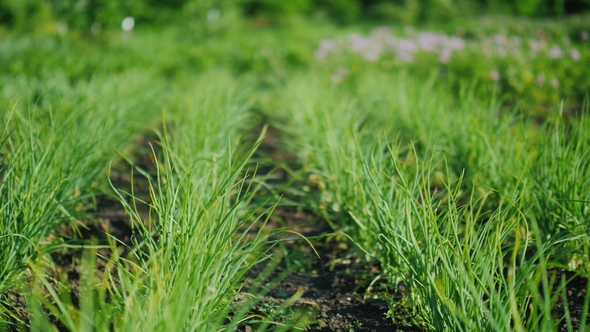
[335,284]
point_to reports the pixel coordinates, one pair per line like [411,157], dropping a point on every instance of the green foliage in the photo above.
[428,166]
[276,9]
[57,15]
[341,10]
[53,153]
[453,208]
[527,7]
[26,15]
[561,178]
[408,12]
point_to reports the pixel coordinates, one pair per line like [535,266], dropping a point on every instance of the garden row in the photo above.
[472,211]
[185,260]
[473,207]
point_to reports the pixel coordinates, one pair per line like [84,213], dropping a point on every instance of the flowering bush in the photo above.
[538,66]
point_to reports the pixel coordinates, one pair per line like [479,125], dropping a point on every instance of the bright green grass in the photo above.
[466,205]
[62,127]
[55,146]
[189,258]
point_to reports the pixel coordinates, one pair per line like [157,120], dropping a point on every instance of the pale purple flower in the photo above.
[500,39]
[554,82]
[339,75]
[336,79]
[360,43]
[516,53]
[372,54]
[516,40]
[320,54]
[326,47]
[555,52]
[537,45]
[405,45]
[389,41]
[575,54]
[342,71]
[432,42]
[427,41]
[456,43]
[445,55]
[329,44]
[585,35]
[369,48]
[495,75]
[404,56]
[380,33]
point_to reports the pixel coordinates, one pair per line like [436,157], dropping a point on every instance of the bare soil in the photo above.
[335,285]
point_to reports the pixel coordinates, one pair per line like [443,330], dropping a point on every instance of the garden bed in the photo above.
[323,179]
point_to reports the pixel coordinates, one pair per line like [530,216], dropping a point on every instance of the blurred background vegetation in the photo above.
[532,53]
[44,15]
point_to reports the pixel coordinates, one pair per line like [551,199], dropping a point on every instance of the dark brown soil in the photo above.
[333,280]
[334,285]
[575,294]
